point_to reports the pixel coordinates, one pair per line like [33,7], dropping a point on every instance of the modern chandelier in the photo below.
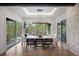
[40,15]
[40,20]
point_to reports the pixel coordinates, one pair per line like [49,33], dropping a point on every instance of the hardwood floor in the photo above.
[20,50]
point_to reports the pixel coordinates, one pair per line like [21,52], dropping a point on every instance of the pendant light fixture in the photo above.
[40,20]
[40,15]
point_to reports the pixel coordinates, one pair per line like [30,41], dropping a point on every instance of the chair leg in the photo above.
[26,45]
[43,45]
[52,46]
[35,45]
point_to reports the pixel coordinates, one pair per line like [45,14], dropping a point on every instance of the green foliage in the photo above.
[30,28]
[13,28]
[38,28]
[18,28]
[10,28]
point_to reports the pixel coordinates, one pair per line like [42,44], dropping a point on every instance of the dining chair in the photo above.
[30,42]
[47,43]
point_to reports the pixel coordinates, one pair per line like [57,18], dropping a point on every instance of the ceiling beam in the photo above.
[37,4]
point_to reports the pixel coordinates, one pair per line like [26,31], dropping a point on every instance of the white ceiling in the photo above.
[35,8]
[21,12]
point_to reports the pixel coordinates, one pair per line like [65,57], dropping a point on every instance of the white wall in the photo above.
[71,14]
[59,16]
[5,12]
[73,29]
[2,32]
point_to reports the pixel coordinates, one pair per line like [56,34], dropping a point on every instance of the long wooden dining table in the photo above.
[36,41]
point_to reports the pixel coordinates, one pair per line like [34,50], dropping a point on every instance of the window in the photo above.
[39,28]
[10,30]
[18,29]
[13,31]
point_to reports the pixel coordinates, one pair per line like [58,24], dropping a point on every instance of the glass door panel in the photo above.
[10,31]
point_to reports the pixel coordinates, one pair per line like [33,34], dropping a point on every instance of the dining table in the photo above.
[37,41]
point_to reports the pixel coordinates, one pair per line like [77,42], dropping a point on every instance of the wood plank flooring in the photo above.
[20,50]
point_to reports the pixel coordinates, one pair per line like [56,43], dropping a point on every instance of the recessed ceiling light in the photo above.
[51,13]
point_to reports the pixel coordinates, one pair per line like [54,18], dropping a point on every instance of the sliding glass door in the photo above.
[13,32]
[10,31]
[18,29]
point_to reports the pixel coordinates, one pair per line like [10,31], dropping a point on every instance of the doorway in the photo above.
[61,31]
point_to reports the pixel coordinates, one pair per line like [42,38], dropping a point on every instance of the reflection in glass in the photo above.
[13,32]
